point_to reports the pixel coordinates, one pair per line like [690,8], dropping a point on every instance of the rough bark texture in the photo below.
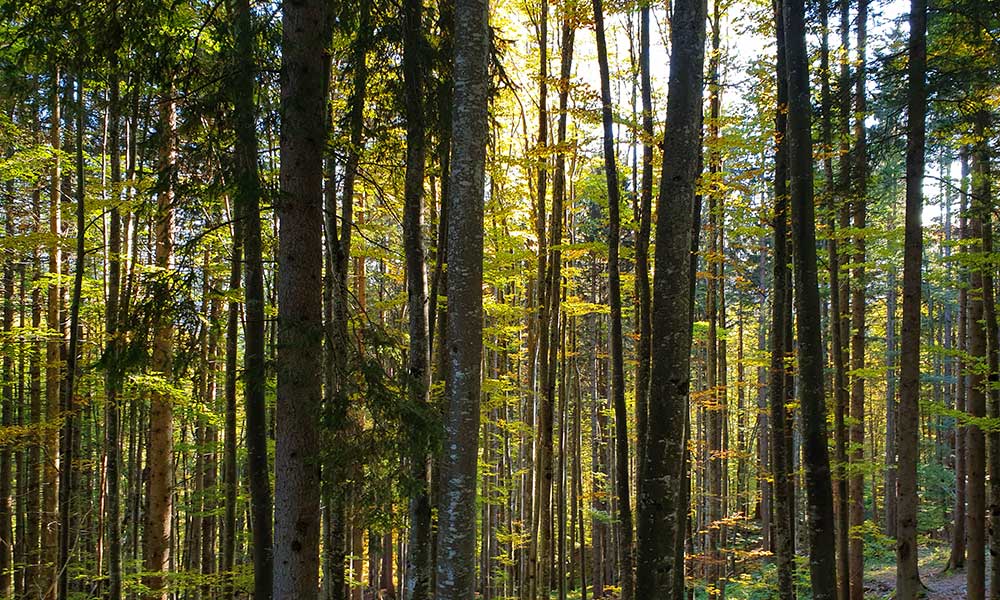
[455,569]
[159,456]
[908,416]
[299,283]
[663,456]
[808,327]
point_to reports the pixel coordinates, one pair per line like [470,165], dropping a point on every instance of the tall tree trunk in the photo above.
[300,339]
[957,558]
[113,375]
[457,508]
[976,525]
[808,328]
[644,219]
[663,456]
[714,413]
[418,563]
[784,543]
[159,455]
[860,189]
[53,364]
[247,202]
[891,413]
[908,416]
[615,293]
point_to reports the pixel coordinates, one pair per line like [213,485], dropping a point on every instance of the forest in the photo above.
[499,299]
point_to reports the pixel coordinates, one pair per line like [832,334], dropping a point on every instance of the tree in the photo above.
[248,190]
[908,419]
[300,334]
[663,456]
[808,328]
[418,563]
[457,501]
[784,544]
[615,293]
[159,459]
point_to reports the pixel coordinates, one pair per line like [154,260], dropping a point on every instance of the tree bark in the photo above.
[300,330]
[457,508]
[808,328]
[159,455]
[247,202]
[784,543]
[663,456]
[860,189]
[623,485]
[418,564]
[908,417]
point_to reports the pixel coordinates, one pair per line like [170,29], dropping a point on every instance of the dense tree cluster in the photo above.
[454,299]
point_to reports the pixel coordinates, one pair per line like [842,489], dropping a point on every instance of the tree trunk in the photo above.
[808,328]
[113,375]
[957,558]
[857,483]
[663,456]
[908,417]
[784,544]
[615,293]
[418,563]
[53,365]
[247,202]
[159,455]
[300,334]
[457,509]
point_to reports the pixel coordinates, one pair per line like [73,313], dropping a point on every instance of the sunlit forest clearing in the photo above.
[499,299]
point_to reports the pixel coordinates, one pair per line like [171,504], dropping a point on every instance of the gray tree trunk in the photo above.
[663,455]
[456,545]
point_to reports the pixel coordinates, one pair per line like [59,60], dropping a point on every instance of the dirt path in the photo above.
[940,586]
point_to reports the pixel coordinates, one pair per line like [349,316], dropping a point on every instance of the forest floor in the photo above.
[940,585]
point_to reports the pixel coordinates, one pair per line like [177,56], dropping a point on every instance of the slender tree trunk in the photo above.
[860,188]
[113,374]
[247,203]
[53,368]
[784,544]
[418,563]
[457,507]
[644,219]
[300,332]
[891,413]
[975,524]
[663,456]
[908,419]
[615,334]
[957,558]
[808,328]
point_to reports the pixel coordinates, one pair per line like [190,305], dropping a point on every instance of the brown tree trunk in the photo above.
[247,202]
[860,189]
[418,565]
[976,524]
[908,417]
[615,334]
[822,555]
[300,334]
[784,544]
[956,560]
[159,456]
